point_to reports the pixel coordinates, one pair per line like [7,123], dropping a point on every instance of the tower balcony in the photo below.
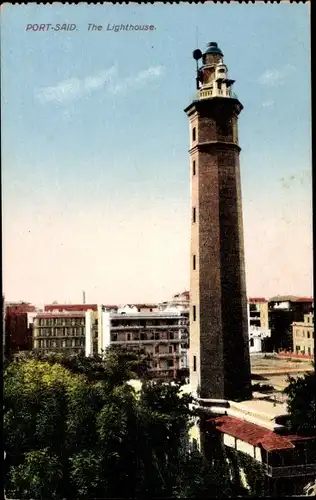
[211,93]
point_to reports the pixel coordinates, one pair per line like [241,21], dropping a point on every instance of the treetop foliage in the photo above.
[75,428]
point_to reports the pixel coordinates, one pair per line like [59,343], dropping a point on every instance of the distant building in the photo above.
[17,327]
[62,327]
[257,335]
[303,335]
[258,323]
[162,334]
[258,312]
[283,311]
[180,301]
[143,308]
[60,331]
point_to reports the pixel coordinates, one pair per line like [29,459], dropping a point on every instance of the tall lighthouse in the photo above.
[219,351]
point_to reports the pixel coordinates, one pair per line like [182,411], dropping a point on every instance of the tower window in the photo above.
[194,363]
[194,134]
[194,313]
[193,168]
[194,262]
[194,214]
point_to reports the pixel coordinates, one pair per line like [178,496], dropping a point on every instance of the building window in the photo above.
[298,349]
[308,335]
[193,168]
[170,349]
[194,134]
[309,350]
[194,262]
[157,349]
[194,313]
[194,363]
[194,214]
[128,336]
[251,343]
[175,347]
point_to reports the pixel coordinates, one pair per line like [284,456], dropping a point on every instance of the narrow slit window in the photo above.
[194,313]
[194,262]
[194,134]
[193,168]
[194,214]
[194,363]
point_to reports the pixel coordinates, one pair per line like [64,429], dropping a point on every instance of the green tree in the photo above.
[38,476]
[301,402]
[70,435]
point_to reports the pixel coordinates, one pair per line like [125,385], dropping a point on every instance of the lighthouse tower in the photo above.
[219,350]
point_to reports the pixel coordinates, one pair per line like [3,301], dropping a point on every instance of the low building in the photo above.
[162,334]
[258,428]
[257,336]
[303,335]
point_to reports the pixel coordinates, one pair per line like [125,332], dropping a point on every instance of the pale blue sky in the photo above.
[95,147]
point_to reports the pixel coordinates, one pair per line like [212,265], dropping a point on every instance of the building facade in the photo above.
[303,335]
[17,327]
[60,332]
[283,312]
[258,312]
[218,301]
[64,327]
[161,334]
[258,324]
[257,336]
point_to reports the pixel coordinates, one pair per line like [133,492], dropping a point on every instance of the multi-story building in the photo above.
[17,327]
[63,327]
[60,331]
[258,312]
[258,323]
[283,311]
[303,335]
[161,334]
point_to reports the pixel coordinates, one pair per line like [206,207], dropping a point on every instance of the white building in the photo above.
[256,336]
[163,334]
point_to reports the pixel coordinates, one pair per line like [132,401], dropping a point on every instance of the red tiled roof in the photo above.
[257,299]
[70,307]
[251,433]
[305,299]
